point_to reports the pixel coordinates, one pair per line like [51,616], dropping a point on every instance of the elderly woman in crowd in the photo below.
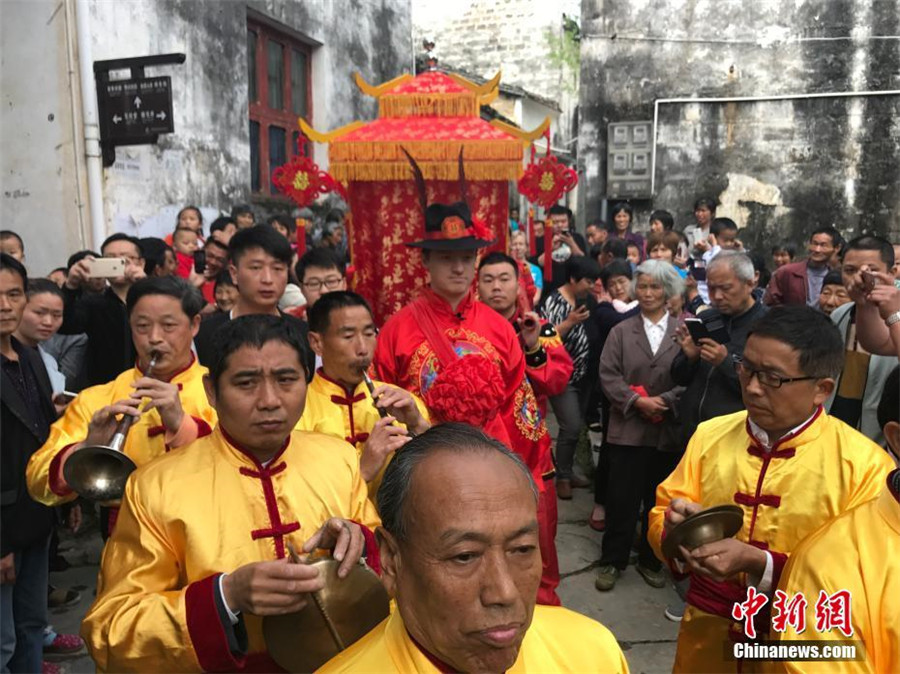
[640,437]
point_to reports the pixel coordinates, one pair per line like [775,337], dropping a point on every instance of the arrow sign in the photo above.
[160,115]
[116,119]
[137,102]
[135,111]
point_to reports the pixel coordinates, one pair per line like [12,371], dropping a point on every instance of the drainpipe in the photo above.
[93,156]
[748,99]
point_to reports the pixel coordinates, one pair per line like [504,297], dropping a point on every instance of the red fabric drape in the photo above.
[386,214]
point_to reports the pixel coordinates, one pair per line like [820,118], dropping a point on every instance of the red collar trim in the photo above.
[441,666]
[443,305]
[137,366]
[246,452]
[775,452]
[321,373]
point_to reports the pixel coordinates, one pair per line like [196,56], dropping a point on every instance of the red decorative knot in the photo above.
[470,390]
[480,229]
[303,181]
[546,181]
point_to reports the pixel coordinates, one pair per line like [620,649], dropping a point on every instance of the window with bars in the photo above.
[279,87]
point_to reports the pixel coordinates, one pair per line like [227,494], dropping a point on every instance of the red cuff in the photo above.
[203,428]
[205,627]
[779,559]
[57,482]
[373,558]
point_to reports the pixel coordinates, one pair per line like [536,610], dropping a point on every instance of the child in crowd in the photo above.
[185,242]
[226,292]
[783,253]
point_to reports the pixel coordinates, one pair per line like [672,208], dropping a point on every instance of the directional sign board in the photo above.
[136,111]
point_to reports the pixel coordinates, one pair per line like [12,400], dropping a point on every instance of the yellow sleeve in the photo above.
[139,620]
[684,483]
[69,429]
[828,561]
[362,508]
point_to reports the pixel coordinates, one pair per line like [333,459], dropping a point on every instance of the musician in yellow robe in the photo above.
[200,550]
[460,557]
[342,333]
[857,552]
[784,461]
[164,314]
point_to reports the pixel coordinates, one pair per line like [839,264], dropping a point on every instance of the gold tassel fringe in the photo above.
[428,105]
[396,171]
[429,150]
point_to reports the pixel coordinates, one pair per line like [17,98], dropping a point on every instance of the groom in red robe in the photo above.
[460,356]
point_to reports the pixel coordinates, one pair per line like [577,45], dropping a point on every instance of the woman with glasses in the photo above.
[640,437]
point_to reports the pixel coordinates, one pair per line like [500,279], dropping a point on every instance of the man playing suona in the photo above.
[200,551]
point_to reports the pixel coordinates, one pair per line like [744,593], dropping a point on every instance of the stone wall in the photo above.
[780,167]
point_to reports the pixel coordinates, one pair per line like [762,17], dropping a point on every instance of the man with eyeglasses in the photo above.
[102,316]
[789,465]
[319,271]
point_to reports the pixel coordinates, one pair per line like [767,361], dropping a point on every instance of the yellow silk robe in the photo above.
[193,514]
[332,410]
[808,478]
[145,441]
[860,552]
[558,640]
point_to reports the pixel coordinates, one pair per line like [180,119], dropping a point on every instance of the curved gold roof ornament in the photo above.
[487,99]
[527,137]
[381,89]
[479,89]
[328,136]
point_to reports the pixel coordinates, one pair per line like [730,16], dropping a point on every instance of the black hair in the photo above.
[190,208]
[871,242]
[260,236]
[579,267]
[833,278]
[596,250]
[64,270]
[708,202]
[807,331]
[282,220]
[616,248]
[335,215]
[154,250]
[398,477]
[761,268]
[40,286]
[220,223]
[889,406]
[319,314]
[559,209]
[120,236]
[320,258]
[9,234]
[615,268]
[223,278]
[497,257]
[788,247]
[213,241]
[173,286]
[719,225]
[836,239]
[622,207]
[668,222]
[255,330]
[10,263]
[241,209]
[75,258]
[599,224]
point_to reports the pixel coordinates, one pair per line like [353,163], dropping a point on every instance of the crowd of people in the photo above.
[273,414]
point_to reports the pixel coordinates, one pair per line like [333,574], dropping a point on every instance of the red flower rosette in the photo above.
[546,181]
[470,390]
[480,229]
[303,181]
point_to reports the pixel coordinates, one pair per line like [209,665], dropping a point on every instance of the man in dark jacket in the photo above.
[26,412]
[102,316]
[707,368]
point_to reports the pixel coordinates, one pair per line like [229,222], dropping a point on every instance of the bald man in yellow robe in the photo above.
[200,551]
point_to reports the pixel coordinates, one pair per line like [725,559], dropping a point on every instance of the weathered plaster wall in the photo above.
[780,168]
[483,36]
[207,160]
[38,193]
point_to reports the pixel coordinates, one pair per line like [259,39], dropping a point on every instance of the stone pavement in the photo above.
[633,610]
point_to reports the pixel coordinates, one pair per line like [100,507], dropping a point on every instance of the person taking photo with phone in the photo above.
[102,316]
